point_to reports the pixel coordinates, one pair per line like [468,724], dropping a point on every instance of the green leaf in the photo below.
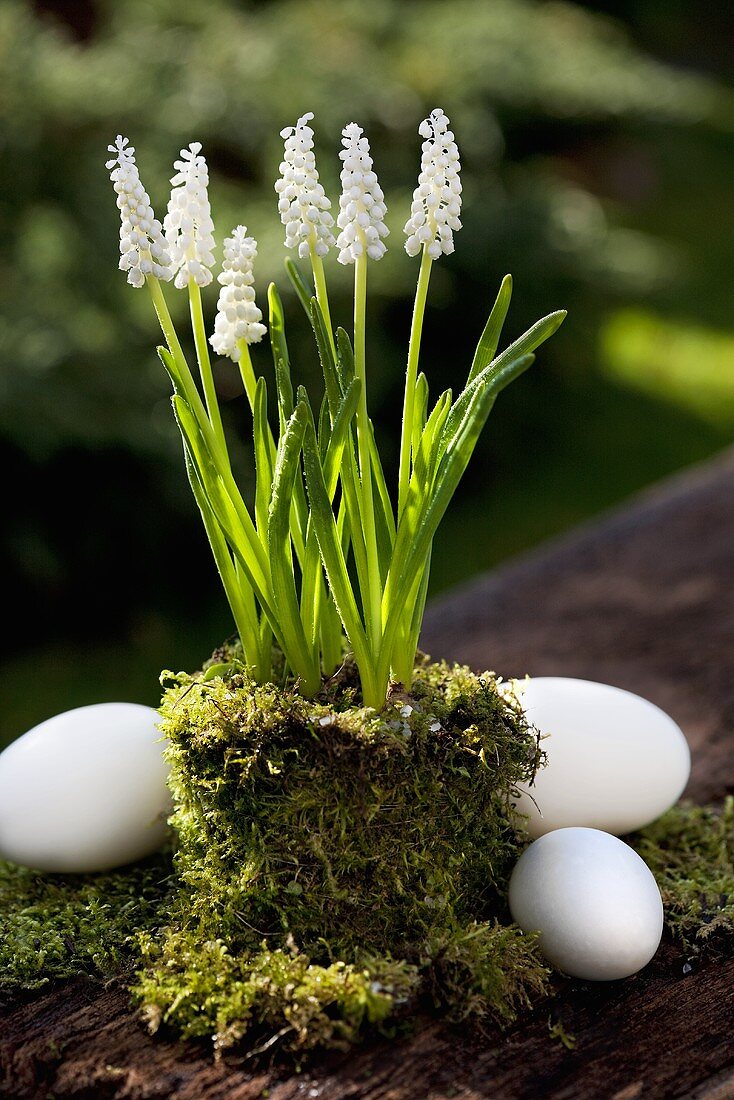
[297,649]
[426,457]
[384,518]
[490,338]
[411,554]
[536,335]
[262,439]
[231,514]
[324,427]
[493,378]
[313,595]
[345,357]
[332,462]
[420,409]
[281,360]
[239,596]
[333,558]
[299,285]
[332,381]
[533,338]
[171,367]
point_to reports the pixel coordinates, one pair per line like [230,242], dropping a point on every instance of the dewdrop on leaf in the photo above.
[238,318]
[434,213]
[361,205]
[188,224]
[143,249]
[302,203]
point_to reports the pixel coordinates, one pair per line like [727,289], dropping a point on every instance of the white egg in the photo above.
[85,790]
[614,760]
[593,900]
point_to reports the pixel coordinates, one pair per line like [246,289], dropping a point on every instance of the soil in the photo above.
[643,599]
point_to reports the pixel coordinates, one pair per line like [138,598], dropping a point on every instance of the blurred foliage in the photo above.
[598,174]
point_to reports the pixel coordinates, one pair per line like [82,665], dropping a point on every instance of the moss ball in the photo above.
[338,865]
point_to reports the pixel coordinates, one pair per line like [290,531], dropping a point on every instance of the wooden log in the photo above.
[643,599]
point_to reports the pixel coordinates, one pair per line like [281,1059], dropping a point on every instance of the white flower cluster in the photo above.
[303,205]
[434,213]
[361,206]
[238,318]
[143,248]
[188,224]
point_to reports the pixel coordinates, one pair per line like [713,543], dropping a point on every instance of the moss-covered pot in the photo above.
[338,865]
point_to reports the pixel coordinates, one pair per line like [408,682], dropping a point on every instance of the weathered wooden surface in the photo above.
[644,600]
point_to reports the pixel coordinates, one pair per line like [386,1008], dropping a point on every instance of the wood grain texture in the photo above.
[643,599]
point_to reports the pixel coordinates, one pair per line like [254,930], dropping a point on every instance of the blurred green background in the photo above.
[596,143]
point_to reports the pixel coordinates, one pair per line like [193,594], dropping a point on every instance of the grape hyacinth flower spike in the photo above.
[238,318]
[434,218]
[304,207]
[303,204]
[362,204]
[434,213]
[188,224]
[143,248]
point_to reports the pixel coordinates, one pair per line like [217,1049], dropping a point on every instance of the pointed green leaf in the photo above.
[345,357]
[263,458]
[490,338]
[333,557]
[332,381]
[297,650]
[232,515]
[281,360]
[420,409]
[304,292]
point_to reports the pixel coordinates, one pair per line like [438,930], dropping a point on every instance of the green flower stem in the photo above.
[416,328]
[373,597]
[205,366]
[247,374]
[188,386]
[164,319]
[319,281]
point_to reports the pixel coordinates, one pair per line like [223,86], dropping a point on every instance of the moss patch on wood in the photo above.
[337,865]
[690,850]
[59,926]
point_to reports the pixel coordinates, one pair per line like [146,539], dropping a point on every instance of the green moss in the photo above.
[54,926]
[690,850]
[339,865]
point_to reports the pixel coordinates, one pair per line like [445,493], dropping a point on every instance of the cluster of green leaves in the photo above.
[339,868]
[287,573]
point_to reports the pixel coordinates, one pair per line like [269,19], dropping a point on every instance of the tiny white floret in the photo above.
[436,206]
[302,202]
[188,224]
[362,203]
[238,317]
[143,249]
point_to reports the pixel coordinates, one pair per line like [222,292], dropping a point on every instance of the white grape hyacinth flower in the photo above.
[362,203]
[303,205]
[143,249]
[434,213]
[188,224]
[238,318]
